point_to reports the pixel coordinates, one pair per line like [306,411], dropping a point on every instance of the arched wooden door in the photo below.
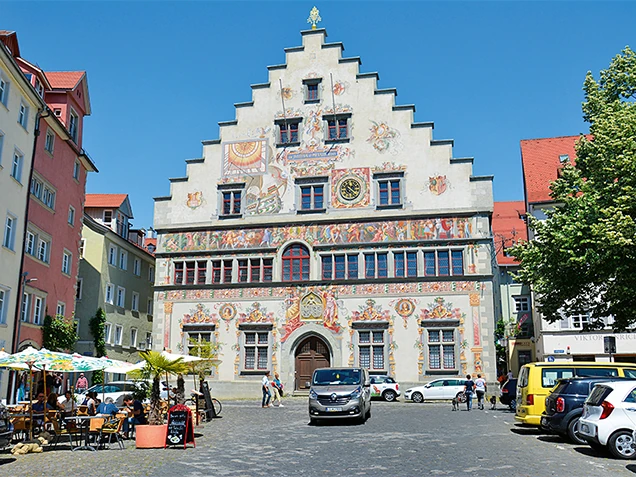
[312,353]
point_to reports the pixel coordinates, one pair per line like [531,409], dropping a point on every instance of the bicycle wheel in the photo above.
[217,406]
[190,402]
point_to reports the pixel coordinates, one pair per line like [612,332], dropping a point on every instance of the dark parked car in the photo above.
[6,428]
[564,406]
[508,393]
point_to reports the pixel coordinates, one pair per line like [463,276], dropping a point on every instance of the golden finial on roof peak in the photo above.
[314,17]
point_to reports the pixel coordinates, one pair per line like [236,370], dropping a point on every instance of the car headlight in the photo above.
[357,392]
[312,394]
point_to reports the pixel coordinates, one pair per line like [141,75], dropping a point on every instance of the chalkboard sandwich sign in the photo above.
[180,427]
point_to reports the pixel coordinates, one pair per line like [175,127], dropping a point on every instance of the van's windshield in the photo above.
[335,377]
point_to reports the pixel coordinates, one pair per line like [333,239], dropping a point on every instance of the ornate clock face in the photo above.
[350,189]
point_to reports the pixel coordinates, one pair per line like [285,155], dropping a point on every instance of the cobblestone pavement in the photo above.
[401,439]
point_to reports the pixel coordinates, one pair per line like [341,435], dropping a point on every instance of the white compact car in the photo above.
[384,387]
[437,389]
[609,418]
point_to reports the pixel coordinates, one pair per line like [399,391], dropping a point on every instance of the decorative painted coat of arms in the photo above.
[437,184]
[200,314]
[195,199]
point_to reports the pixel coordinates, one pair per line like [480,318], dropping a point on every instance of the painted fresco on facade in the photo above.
[350,188]
[245,157]
[437,184]
[200,314]
[340,87]
[256,314]
[286,93]
[195,199]
[264,193]
[389,167]
[371,289]
[384,138]
[405,307]
[227,312]
[317,305]
[337,234]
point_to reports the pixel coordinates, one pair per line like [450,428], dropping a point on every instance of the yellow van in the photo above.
[536,381]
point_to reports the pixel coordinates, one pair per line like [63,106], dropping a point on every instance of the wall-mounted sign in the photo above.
[559,351]
[550,359]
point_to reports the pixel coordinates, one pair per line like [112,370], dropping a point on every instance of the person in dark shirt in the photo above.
[136,413]
[469,389]
[107,407]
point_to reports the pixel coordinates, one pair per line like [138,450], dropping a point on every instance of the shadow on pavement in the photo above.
[553,438]
[631,468]
[527,431]
[336,423]
[588,451]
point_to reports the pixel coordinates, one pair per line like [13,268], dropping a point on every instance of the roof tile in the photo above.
[508,228]
[64,79]
[104,200]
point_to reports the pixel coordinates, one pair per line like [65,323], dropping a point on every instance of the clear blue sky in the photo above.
[162,74]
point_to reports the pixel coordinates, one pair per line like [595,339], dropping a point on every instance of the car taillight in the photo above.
[504,391]
[608,407]
[560,404]
[397,387]
[530,399]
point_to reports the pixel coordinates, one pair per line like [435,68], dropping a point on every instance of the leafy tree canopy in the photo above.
[584,257]
[58,333]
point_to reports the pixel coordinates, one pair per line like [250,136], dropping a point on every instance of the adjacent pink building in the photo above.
[53,237]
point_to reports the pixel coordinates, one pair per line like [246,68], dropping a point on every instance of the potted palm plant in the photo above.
[153,434]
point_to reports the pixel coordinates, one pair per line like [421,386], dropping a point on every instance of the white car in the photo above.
[117,390]
[609,418]
[384,387]
[437,389]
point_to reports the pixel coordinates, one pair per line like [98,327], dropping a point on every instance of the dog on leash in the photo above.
[455,402]
[493,402]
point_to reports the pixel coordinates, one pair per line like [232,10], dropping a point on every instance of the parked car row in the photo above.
[589,403]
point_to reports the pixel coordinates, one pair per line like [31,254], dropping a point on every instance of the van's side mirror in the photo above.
[367,384]
[427,386]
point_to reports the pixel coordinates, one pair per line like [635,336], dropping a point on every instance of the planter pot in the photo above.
[150,437]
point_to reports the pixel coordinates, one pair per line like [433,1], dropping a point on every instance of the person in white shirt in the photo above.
[480,389]
[267,395]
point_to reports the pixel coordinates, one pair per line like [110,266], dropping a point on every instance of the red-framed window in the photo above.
[178,273]
[202,269]
[216,271]
[243,270]
[338,128]
[227,271]
[268,264]
[190,271]
[288,132]
[312,91]
[296,263]
[232,202]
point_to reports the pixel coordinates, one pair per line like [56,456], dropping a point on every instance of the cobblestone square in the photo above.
[400,439]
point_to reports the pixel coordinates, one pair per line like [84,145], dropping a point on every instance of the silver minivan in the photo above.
[340,393]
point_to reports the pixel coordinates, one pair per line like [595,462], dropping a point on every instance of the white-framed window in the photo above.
[148,341]
[256,349]
[137,267]
[71,215]
[82,248]
[76,169]
[107,328]
[112,255]
[197,338]
[121,297]
[577,321]
[339,266]
[10,228]
[79,288]
[388,190]
[1,147]
[48,196]
[29,243]
[441,349]
[4,90]
[522,303]
[109,296]
[108,217]
[49,141]
[16,166]
[123,260]
[23,114]
[38,310]
[133,337]
[119,331]
[4,304]
[67,260]
[150,306]
[135,301]
[39,88]
[36,187]
[60,309]
[44,250]
[376,264]
[372,349]
[151,274]
[73,125]
[25,307]
[57,112]
[443,262]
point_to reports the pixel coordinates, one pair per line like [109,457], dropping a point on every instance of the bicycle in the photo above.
[193,402]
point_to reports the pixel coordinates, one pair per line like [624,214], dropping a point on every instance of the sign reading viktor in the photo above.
[312,307]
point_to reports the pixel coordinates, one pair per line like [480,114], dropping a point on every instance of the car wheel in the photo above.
[417,397]
[573,431]
[389,395]
[622,444]
[461,397]
[368,414]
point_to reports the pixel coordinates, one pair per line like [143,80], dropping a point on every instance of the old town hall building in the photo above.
[326,227]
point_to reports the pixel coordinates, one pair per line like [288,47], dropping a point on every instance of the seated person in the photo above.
[135,412]
[89,401]
[38,409]
[108,407]
[53,403]
[67,403]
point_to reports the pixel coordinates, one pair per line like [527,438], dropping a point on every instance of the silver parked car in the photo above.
[339,393]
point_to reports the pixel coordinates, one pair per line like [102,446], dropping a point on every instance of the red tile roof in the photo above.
[508,227]
[64,79]
[104,200]
[540,160]
[150,242]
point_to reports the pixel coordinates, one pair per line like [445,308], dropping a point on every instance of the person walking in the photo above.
[277,387]
[82,384]
[267,395]
[480,390]
[469,387]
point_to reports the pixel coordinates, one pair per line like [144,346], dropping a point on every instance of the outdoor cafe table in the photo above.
[82,423]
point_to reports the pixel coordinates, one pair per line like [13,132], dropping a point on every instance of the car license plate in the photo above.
[334,409]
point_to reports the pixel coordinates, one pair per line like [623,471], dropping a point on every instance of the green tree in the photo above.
[58,333]
[96,326]
[584,256]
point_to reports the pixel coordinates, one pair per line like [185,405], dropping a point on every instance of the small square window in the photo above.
[76,169]
[312,197]
[311,89]
[288,132]
[49,141]
[231,203]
